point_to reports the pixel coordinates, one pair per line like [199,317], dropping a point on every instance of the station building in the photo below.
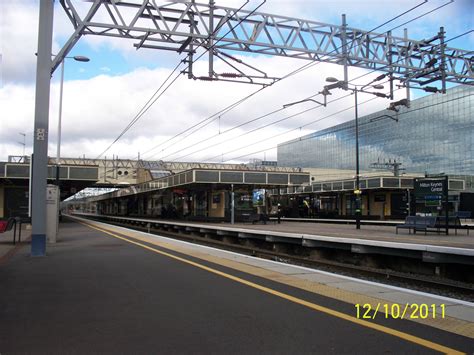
[432,136]
[15,183]
[315,176]
[184,190]
[198,194]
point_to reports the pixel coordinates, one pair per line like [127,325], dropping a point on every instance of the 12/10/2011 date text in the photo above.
[401,311]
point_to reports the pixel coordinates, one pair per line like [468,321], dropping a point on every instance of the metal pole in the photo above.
[407,84]
[58,148]
[441,35]
[409,202]
[446,203]
[232,206]
[211,38]
[24,145]
[105,168]
[279,206]
[390,60]
[191,47]
[40,134]
[358,202]
[344,50]
[30,183]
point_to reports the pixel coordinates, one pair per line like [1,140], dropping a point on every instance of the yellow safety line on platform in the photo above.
[381,328]
[449,323]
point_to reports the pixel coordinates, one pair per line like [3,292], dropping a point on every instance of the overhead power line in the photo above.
[148,105]
[300,127]
[231,106]
[263,116]
[144,108]
[342,128]
[304,67]
[259,128]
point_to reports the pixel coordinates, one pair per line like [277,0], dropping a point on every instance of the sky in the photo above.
[102,96]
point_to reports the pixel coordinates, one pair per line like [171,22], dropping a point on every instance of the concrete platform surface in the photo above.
[380,233]
[106,289]
[384,236]
[7,247]
[320,277]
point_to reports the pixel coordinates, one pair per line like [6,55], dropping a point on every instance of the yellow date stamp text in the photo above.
[401,311]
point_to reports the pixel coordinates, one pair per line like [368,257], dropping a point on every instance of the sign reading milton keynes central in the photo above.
[425,186]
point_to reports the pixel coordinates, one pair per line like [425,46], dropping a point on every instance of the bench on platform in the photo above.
[454,222]
[463,214]
[431,224]
[417,223]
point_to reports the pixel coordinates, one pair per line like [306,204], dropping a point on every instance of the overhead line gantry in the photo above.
[182,26]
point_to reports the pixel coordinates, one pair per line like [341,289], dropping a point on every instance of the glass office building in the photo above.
[434,135]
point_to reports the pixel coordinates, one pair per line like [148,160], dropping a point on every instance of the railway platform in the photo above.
[370,240]
[382,233]
[105,288]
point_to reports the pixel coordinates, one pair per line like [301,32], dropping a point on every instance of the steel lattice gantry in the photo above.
[162,165]
[183,26]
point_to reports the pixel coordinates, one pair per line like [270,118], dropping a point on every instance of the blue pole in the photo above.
[40,135]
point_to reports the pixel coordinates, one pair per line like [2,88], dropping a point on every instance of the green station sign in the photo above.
[431,187]
[433,193]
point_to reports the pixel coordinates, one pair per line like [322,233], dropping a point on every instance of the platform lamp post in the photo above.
[78,58]
[23,144]
[356,89]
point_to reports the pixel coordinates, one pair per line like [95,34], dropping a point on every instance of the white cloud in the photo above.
[19,38]
[19,23]
[96,110]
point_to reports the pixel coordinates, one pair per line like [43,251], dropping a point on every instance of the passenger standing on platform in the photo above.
[279,212]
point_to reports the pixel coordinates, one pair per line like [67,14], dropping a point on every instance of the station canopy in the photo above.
[255,178]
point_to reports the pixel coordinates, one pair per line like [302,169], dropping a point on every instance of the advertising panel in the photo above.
[258,197]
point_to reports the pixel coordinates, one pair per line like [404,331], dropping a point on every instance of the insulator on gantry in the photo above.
[206,78]
[230,75]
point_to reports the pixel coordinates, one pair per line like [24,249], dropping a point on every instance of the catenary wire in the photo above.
[320,119]
[148,105]
[297,128]
[280,120]
[308,97]
[258,128]
[201,55]
[365,74]
[288,131]
[261,127]
[302,68]
[340,129]
[144,109]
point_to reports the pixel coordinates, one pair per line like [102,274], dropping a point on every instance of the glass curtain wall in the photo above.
[434,135]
